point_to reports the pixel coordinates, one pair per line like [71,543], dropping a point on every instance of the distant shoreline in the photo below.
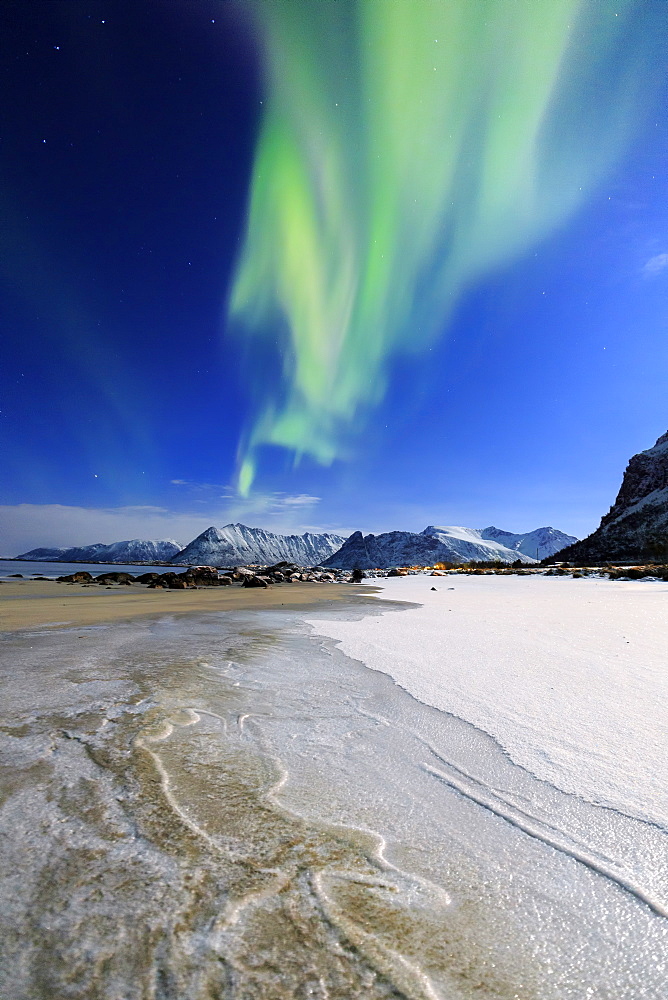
[470,566]
[92,562]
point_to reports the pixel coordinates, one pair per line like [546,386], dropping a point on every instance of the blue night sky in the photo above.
[258,264]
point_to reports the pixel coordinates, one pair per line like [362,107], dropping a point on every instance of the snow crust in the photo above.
[568,675]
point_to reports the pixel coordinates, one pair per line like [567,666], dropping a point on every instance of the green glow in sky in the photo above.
[407,148]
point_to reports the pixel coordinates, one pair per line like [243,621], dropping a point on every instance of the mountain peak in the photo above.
[238,545]
[453,543]
[211,532]
[636,526]
[663,440]
[131,550]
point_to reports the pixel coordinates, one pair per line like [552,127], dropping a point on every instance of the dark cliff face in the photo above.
[645,473]
[636,526]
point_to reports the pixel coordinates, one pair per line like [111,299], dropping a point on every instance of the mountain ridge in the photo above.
[539,543]
[132,550]
[237,545]
[635,529]
[452,543]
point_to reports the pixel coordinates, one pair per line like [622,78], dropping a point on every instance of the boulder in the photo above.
[105,578]
[202,576]
[147,577]
[283,567]
[171,581]
[255,581]
[81,576]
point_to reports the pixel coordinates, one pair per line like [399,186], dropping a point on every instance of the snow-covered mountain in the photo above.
[44,555]
[636,526]
[538,544]
[408,548]
[239,545]
[470,544]
[129,551]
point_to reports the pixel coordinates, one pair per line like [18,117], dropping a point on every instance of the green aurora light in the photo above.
[407,148]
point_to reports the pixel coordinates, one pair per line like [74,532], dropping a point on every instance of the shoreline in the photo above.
[31,603]
[214,798]
[509,657]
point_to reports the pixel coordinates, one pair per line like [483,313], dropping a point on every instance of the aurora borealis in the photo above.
[328,264]
[406,149]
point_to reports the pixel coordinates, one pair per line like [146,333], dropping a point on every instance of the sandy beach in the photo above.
[210,794]
[31,603]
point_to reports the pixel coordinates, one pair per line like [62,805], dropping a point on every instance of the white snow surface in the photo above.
[569,676]
[239,545]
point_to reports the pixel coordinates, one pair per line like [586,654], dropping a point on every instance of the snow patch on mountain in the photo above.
[239,545]
[469,544]
[129,551]
[453,544]
[539,543]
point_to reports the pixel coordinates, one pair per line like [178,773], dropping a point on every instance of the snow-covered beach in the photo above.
[570,676]
[232,804]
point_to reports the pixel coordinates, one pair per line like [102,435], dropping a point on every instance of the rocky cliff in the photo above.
[635,529]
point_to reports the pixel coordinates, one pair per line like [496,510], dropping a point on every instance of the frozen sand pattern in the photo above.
[232,809]
[230,803]
[149,854]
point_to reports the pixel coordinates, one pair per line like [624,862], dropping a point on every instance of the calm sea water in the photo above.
[10,567]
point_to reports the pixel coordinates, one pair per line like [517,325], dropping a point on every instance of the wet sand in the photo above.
[223,806]
[31,603]
[169,826]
